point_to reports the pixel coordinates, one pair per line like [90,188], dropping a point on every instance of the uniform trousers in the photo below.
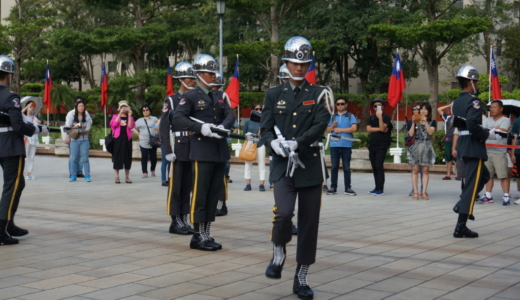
[14,184]
[309,204]
[475,178]
[208,185]
[179,188]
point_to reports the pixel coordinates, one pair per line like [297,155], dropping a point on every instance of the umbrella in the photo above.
[510,105]
[35,100]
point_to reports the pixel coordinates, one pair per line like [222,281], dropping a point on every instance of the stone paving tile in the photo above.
[59,293]
[121,248]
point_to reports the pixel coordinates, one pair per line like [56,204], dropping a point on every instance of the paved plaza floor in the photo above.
[100,240]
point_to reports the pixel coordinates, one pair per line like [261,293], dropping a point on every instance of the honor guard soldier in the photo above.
[222,209]
[471,147]
[208,151]
[180,181]
[294,118]
[12,153]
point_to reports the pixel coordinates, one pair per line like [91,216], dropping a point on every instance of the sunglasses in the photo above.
[416,108]
[146,110]
[375,106]
[341,103]
[258,109]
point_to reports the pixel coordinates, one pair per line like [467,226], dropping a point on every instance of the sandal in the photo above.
[415,196]
[127,180]
[425,196]
[117,180]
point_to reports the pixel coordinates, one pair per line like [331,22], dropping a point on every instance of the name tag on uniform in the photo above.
[310,102]
[220,101]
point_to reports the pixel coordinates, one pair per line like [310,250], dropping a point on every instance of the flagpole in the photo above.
[490,72]
[397,122]
[238,110]
[48,108]
[104,106]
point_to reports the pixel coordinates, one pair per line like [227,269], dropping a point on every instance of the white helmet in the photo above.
[219,81]
[297,50]
[468,72]
[184,70]
[204,63]
[283,72]
[6,64]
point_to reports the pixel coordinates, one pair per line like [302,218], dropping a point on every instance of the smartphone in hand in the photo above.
[379,108]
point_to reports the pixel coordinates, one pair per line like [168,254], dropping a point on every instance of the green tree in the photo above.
[511,53]
[432,27]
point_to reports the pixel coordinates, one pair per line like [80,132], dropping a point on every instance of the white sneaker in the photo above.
[517,202]
[517,196]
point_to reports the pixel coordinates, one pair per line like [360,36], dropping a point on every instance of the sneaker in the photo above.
[87,179]
[72,178]
[350,192]
[517,202]
[372,192]
[325,189]
[153,173]
[378,193]
[164,183]
[411,193]
[27,177]
[332,191]
[32,177]
[446,178]
[458,178]
[248,187]
[506,201]
[261,188]
[145,175]
[485,199]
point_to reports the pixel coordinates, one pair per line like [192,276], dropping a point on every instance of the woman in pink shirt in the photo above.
[122,125]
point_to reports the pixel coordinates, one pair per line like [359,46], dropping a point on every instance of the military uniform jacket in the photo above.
[181,143]
[198,104]
[469,107]
[12,141]
[304,120]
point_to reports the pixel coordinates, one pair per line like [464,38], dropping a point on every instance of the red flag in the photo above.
[169,82]
[496,93]
[48,87]
[396,85]
[233,89]
[104,86]
[311,72]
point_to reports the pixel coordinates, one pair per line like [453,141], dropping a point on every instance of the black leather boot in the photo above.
[177,227]
[5,237]
[223,210]
[274,270]
[211,239]
[187,225]
[14,230]
[461,230]
[197,242]
[300,286]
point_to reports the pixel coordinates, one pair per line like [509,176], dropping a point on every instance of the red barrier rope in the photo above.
[502,146]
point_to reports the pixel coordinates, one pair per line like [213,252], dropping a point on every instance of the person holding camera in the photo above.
[380,127]
[79,144]
[143,131]
[122,124]
[31,142]
[251,126]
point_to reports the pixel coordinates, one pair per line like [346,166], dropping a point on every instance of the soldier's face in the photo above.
[208,77]
[191,82]
[297,70]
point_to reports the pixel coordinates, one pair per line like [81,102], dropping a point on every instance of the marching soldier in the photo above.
[208,151]
[180,182]
[222,209]
[471,147]
[12,153]
[300,111]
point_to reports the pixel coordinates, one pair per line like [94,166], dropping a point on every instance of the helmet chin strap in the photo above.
[296,78]
[473,86]
[186,86]
[207,84]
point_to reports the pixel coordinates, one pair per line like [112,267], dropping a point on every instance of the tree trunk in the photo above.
[345,70]
[433,79]
[365,112]
[275,61]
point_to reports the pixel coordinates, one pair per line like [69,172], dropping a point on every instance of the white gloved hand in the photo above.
[214,135]
[275,145]
[221,127]
[37,130]
[206,130]
[44,130]
[292,145]
[171,157]
[493,135]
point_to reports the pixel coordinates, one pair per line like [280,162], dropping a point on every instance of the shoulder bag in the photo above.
[248,151]
[155,141]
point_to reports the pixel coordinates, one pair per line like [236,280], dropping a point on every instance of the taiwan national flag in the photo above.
[311,73]
[396,85]
[233,89]
[496,93]
[48,87]
[104,85]
[169,81]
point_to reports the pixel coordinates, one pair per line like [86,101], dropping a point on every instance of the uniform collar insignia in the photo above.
[281,102]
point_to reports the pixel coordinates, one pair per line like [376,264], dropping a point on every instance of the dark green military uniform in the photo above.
[472,149]
[304,119]
[208,154]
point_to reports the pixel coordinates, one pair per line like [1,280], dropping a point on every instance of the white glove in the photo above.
[275,145]
[221,127]
[214,135]
[171,157]
[493,135]
[206,130]
[293,145]
[44,130]
[37,130]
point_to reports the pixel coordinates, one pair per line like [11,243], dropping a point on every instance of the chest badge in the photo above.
[183,101]
[201,103]
[310,102]
[281,102]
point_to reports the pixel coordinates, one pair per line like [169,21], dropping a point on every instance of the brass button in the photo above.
[315,154]
[199,139]
[293,138]
[294,114]
[178,141]
[214,109]
[280,111]
[215,117]
[294,126]
[310,110]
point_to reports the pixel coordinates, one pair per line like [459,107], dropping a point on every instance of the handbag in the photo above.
[155,141]
[409,140]
[109,143]
[248,151]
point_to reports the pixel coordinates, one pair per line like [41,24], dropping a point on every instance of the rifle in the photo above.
[228,134]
